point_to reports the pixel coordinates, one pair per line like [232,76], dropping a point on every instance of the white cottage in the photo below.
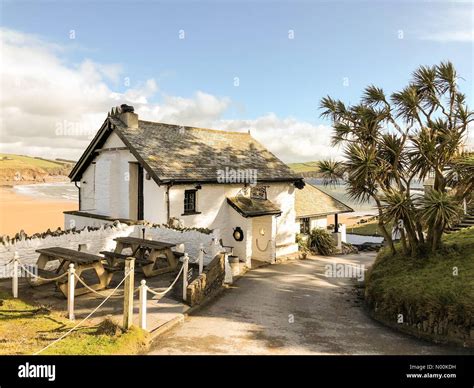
[139,170]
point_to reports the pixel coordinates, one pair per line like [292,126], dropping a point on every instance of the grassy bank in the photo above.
[25,329]
[15,168]
[435,295]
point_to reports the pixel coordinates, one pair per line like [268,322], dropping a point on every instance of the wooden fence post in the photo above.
[185,275]
[16,257]
[70,292]
[143,300]
[128,292]
[201,258]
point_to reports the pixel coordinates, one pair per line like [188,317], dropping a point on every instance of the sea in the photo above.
[68,192]
[57,191]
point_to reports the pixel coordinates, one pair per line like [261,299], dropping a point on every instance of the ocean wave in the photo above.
[49,191]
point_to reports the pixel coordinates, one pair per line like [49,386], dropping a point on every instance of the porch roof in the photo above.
[249,207]
[312,202]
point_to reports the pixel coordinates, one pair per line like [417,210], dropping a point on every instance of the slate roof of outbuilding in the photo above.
[312,202]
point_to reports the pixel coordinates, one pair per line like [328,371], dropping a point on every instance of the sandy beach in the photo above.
[31,214]
[351,219]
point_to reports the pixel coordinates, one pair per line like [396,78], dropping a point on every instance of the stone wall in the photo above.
[430,328]
[96,239]
[208,283]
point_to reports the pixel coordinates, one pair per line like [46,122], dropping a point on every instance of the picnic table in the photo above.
[82,261]
[147,253]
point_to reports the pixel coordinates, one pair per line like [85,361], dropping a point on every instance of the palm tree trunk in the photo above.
[412,238]
[387,236]
[419,230]
[403,239]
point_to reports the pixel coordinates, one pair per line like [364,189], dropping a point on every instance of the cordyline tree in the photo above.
[391,141]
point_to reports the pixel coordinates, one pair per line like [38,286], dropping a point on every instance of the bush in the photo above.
[302,241]
[321,242]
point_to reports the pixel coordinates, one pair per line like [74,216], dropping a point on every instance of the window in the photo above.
[304,225]
[189,201]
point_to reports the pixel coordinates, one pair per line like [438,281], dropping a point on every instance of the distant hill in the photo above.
[307,169]
[17,169]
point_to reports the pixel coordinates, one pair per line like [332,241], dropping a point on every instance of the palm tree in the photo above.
[391,141]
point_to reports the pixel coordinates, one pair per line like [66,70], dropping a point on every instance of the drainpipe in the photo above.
[79,193]
[276,234]
[168,186]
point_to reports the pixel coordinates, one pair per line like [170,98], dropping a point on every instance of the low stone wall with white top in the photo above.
[96,239]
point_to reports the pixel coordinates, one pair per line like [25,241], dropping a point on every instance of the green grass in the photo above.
[304,167]
[425,287]
[25,329]
[19,161]
[368,229]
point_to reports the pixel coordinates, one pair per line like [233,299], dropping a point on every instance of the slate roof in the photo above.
[248,207]
[312,202]
[173,153]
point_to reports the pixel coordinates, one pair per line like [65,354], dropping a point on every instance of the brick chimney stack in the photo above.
[126,114]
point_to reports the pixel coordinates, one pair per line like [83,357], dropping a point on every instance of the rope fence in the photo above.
[86,318]
[95,292]
[144,289]
[127,293]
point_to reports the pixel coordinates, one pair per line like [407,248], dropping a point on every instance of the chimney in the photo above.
[125,113]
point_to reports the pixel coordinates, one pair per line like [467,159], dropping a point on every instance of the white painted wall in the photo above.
[154,198]
[216,213]
[283,195]
[103,239]
[106,190]
[318,222]
[242,249]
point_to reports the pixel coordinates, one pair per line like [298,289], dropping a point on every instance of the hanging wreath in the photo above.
[238,234]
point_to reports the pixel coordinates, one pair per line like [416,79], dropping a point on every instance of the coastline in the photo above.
[33,214]
[24,207]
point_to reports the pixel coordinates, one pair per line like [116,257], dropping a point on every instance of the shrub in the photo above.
[321,242]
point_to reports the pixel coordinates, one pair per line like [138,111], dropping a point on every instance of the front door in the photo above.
[263,239]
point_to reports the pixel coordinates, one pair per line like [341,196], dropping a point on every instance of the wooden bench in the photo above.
[155,251]
[112,258]
[82,261]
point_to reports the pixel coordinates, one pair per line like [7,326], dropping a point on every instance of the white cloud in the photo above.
[453,25]
[52,109]
[290,139]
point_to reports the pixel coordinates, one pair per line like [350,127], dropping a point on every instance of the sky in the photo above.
[261,66]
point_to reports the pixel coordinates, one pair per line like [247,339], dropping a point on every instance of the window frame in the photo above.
[186,202]
[305,225]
